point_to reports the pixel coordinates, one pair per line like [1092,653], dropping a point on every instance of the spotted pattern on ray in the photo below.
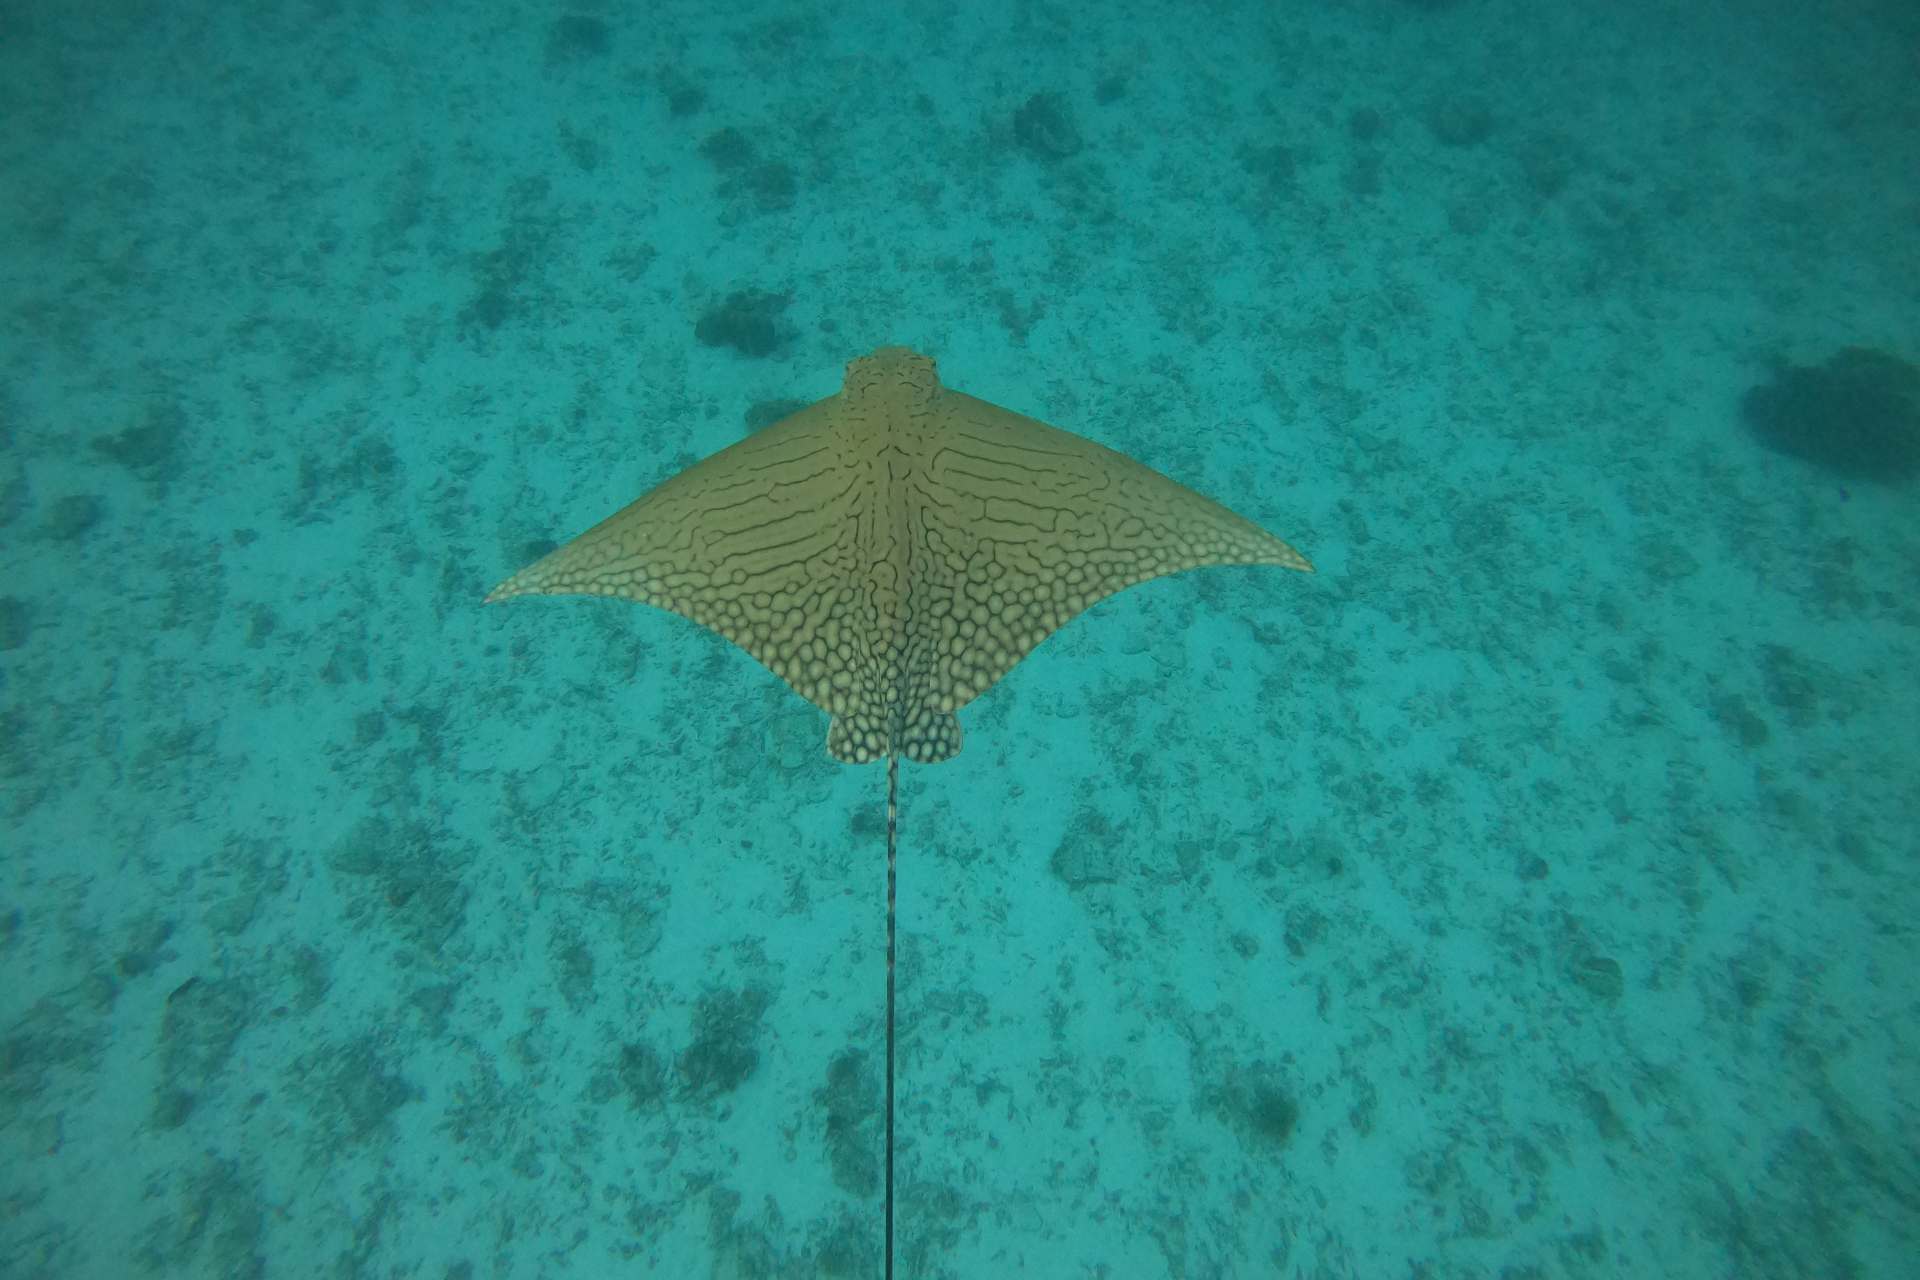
[892,551]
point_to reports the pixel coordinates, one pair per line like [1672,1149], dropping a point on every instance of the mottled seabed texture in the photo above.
[1530,892]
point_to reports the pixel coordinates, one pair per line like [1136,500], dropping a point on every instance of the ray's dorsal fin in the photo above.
[893,550]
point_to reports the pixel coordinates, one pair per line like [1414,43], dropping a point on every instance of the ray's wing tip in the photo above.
[1285,555]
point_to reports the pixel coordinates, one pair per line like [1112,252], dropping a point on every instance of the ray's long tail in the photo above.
[893,823]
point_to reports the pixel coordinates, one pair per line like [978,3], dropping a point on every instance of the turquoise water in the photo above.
[1528,893]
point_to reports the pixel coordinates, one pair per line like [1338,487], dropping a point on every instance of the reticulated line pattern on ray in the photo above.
[894,550]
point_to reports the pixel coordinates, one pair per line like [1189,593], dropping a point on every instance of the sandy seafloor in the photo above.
[1528,893]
